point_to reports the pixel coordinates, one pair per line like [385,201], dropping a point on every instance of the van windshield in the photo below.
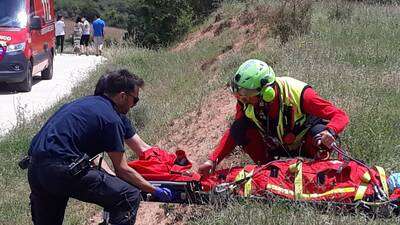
[13,13]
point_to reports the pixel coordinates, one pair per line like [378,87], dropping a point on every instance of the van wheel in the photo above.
[26,85]
[47,74]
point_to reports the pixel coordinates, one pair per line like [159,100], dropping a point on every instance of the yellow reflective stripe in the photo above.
[290,94]
[366,178]
[382,176]
[240,175]
[247,186]
[298,179]
[331,192]
[280,189]
[315,195]
[249,112]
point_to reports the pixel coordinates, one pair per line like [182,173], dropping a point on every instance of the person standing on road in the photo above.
[85,36]
[277,116]
[77,35]
[98,34]
[60,34]
[60,168]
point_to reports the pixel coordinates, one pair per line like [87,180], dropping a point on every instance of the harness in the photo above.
[291,124]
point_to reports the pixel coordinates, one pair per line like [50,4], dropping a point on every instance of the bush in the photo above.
[159,23]
[341,12]
[151,23]
[291,19]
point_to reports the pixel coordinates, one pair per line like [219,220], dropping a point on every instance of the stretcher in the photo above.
[342,183]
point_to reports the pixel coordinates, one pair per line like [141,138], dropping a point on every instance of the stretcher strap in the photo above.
[280,189]
[382,176]
[298,179]
[330,192]
[365,179]
[247,186]
[313,195]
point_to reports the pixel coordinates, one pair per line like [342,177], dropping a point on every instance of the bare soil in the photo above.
[197,134]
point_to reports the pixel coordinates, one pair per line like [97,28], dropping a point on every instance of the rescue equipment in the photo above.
[339,182]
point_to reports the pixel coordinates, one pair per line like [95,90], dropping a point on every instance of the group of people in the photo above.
[275,116]
[81,35]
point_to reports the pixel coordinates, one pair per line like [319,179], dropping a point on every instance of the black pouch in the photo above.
[24,162]
[80,165]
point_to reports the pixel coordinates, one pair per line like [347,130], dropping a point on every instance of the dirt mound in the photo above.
[245,23]
[197,133]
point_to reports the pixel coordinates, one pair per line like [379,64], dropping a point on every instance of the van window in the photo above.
[13,13]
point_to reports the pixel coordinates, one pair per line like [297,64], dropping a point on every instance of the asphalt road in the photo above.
[69,70]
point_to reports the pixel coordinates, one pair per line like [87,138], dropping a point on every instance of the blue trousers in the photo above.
[52,185]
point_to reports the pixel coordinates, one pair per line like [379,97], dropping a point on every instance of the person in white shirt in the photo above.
[60,34]
[85,36]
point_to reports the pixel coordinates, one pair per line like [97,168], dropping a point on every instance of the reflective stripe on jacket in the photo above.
[291,122]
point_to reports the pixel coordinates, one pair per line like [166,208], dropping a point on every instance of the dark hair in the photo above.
[117,81]
[78,19]
[59,17]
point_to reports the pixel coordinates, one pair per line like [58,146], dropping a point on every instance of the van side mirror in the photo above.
[36,23]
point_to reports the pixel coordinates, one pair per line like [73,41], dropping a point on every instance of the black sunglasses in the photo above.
[135,98]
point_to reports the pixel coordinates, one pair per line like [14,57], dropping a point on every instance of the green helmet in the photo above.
[253,74]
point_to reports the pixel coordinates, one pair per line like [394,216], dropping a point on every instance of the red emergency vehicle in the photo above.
[27,41]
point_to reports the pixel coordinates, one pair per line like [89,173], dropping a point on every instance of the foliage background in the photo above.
[348,52]
[150,23]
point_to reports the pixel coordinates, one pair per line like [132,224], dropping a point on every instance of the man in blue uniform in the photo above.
[60,166]
[132,139]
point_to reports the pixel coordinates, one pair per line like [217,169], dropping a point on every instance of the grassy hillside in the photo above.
[349,54]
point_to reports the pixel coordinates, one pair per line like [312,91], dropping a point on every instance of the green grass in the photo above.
[353,62]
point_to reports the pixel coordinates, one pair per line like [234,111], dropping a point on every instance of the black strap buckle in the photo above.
[80,165]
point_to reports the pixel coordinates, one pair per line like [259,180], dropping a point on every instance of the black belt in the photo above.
[76,167]
[38,160]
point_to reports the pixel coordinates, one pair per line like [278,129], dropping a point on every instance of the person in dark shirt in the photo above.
[132,139]
[59,156]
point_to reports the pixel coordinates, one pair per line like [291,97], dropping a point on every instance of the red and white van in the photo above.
[27,41]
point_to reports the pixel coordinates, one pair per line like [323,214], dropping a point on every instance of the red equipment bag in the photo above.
[157,164]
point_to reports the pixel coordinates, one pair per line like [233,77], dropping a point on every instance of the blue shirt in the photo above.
[98,27]
[129,129]
[88,125]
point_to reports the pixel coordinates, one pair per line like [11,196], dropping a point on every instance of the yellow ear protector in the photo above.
[267,91]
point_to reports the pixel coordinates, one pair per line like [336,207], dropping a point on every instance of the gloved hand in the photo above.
[393,181]
[163,194]
[207,167]
[324,138]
